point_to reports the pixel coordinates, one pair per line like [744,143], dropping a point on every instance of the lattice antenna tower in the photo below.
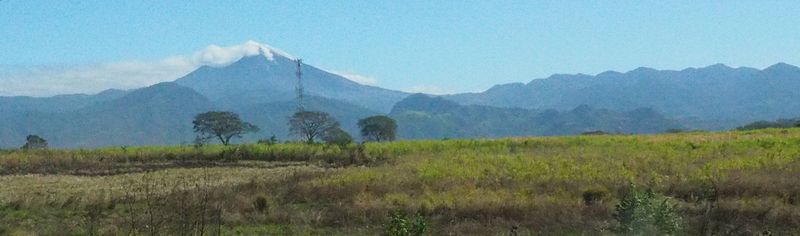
[299,73]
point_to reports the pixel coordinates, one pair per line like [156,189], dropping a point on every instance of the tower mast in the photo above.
[299,73]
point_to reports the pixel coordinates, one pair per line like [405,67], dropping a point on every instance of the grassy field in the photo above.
[728,183]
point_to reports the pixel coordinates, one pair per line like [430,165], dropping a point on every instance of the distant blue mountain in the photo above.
[155,115]
[60,103]
[258,79]
[273,117]
[262,90]
[713,97]
[424,117]
[161,114]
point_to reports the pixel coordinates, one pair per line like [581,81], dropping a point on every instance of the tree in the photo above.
[221,125]
[337,136]
[378,128]
[311,125]
[34,142]
[272,140]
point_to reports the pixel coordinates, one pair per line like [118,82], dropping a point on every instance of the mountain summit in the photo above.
[271,77]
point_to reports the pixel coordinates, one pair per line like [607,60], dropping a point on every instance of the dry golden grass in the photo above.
[33,189]
[742,182]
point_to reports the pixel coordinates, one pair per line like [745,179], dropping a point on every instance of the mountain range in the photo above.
[422,117]
[713,97]
[253,80]
[261,88]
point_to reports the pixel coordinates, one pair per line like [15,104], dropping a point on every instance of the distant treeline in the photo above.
[782,123]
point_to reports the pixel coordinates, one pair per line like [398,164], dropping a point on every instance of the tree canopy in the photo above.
[378,128]
[221,125]
[34,142]
[311,125]
[337,136]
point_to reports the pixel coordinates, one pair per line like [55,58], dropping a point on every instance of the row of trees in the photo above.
[309,126]
[780,124]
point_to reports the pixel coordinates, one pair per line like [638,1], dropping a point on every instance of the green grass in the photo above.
[741,182]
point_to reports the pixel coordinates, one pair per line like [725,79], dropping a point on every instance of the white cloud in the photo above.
[361,79]
[428,89]
[216,55]
[46,81]
[52,80]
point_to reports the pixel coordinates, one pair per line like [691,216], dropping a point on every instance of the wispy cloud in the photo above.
[46,81]
[53,80]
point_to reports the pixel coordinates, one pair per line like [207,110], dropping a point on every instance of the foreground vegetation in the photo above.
[729,183]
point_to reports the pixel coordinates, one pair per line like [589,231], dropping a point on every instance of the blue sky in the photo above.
[430,46]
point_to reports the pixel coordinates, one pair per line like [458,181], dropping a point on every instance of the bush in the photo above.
[643,212]
[271,141]
[401,225]
[674,131]
[337,136]
[594,196]
[595,132]
[260,204]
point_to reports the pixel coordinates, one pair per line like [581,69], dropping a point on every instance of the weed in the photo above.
[594,196]
[643,212]
[400,224]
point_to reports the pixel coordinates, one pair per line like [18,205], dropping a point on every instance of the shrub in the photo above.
[674,131]
[260,203]
[271,141]
[337,136]
[595,132]
[401,225]
[647,213]
[594,196]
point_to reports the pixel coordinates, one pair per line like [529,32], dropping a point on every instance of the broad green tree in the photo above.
[34,142]
[378,128]
[221,125]
[311,125]
[337,136]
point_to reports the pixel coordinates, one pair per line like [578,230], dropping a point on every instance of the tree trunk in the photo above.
[228,140]
[222,140]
